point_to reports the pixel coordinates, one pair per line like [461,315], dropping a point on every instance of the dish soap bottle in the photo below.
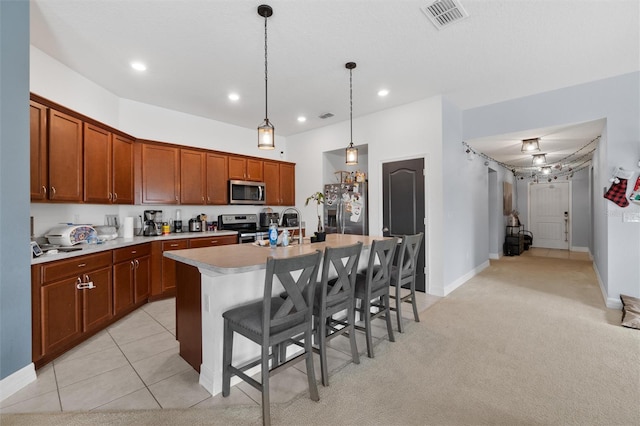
[285,238]
[273,234]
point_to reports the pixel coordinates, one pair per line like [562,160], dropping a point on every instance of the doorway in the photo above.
[549,215]
[403,203]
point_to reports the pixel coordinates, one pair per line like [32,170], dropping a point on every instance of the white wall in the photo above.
[617,243]
[409,131]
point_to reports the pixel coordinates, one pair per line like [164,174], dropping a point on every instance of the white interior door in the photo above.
[549,215]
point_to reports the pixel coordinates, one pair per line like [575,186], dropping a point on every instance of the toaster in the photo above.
[69,235]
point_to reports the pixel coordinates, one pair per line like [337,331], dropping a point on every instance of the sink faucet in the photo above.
[299,221]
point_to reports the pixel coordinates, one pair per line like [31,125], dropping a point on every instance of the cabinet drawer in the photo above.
[127,253]
[213,241]
[175,245]
[72,267]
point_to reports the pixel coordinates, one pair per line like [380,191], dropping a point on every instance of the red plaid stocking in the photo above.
[618,193]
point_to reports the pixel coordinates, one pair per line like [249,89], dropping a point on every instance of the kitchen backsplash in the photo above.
[48,215]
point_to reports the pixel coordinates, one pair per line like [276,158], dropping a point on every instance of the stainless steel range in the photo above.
[245,224]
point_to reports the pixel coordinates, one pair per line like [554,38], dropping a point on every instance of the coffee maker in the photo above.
[152,223]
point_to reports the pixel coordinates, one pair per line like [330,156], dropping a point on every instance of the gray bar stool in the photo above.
[333,296]
[271,321]
[403,275]
[373,284]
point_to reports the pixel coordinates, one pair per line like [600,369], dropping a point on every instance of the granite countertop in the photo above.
[250,257]
[125,242]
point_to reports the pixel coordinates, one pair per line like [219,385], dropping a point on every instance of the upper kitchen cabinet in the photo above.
[39,164]
[193,170]
[160,173]
[108,167]
[217,172]
[242,168]
[280,183]
[65,157]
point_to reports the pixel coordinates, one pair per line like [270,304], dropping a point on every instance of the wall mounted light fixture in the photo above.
[351,151]
[266,131]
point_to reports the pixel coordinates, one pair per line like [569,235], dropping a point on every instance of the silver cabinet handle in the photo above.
[82,265]
[137,263]
[109,196]
[133,265]
[115,196]
[174,245]
[44,189]
[53,192]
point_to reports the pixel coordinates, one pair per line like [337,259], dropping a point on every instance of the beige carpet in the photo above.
[526,342]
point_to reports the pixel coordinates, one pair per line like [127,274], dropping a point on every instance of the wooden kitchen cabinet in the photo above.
[64,157]
[71,300]
[160,169]
[131,277]
[213,241]
[243,168]
[97,165]
[122,169]
[193,172]
[39,163]
[280,183]
[168,277]
[217,179]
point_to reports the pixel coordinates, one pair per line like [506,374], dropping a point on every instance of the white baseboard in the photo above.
[494,256]
[580,249]
[610,302]
[13,383]
[466,277]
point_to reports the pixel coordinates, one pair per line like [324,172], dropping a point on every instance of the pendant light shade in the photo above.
[266,131]
[530,145]
[539,159]
[351,151]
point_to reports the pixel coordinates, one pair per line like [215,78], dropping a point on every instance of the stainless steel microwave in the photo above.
[246,192]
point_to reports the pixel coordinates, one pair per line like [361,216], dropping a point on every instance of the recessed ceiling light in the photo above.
[302,119]
[234,96]
[138,66]
[383,92]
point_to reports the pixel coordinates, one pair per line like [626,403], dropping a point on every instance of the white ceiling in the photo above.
[198,51]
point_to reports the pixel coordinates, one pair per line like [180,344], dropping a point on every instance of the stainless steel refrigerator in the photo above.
[346,208]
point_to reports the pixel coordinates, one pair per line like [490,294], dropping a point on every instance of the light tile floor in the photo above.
[135,364]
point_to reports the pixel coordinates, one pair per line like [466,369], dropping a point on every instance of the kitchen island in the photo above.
[214,279]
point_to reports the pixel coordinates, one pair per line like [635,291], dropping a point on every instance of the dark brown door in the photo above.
[217,172]
[122,150]
[97,165]
[403,204]
[65,157]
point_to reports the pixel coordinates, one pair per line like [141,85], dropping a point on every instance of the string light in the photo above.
[561,168]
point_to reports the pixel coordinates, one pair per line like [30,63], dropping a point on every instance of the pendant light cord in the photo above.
[266,113]
[351,104]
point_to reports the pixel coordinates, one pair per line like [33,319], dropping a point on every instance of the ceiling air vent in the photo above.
[326,115]
[444,12]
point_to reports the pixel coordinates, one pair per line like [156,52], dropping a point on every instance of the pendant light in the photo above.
[530,145]
[266,137]
[351,151]
[539,159]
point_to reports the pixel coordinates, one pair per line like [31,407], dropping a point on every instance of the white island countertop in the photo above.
[240,258]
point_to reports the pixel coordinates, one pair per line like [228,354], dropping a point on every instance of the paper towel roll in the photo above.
[127,227]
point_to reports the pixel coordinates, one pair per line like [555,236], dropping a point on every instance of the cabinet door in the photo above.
[142,278]
[237,167]
[192,177]
[123,297]
[122,169]
[287,184]
[160,174]
[65,157]
[38,136]
[254,170]
[97,165]
[217,173]
[272,182]
[169,266]
[61,309]
[97,303]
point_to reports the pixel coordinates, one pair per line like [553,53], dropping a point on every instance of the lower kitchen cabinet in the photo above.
[131,277]
[71,300]
[213,241]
